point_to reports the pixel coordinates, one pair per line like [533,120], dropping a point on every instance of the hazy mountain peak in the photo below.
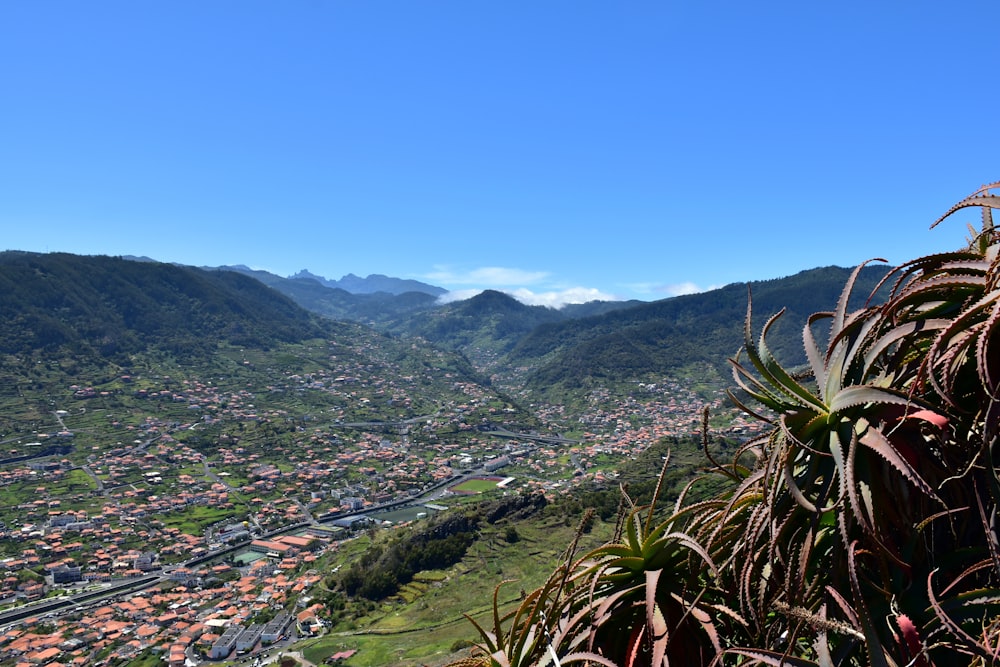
[306,274]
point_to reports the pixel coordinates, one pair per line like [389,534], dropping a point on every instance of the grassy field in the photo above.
[476,485]
[194,520]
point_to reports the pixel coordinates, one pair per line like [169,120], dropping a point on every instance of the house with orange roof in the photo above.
[44,656]
[165,619]
[147,631]
[176,657]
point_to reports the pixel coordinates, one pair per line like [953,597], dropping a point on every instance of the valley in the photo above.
[163,474]
[216,458]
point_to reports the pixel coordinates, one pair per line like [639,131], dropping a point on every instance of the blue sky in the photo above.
[559,150]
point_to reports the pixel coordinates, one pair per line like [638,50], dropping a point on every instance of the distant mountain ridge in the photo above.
[593,344]
[316,294]
[374,282]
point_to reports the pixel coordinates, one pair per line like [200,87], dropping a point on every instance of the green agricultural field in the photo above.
[476,486]
[195,519]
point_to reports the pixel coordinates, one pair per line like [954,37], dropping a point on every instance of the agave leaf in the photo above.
[489,638]
[611,550]
[606,605]
[656,626]
[586,658]
[868,520]
[656,491]
[743,407]
[991,419]
[693,545]
[632,532]
[794,489]
[902,332]
[772,371]
[782,379]
[983,356]
[876,654]
[771,657]
[857,395]
[500,658]
[839,315]
[919,293]
[845,473]
[944,359]
[806,430]
[755,388]
[822,648]
[497,626]
[845,606]
[868,504]
[980,197]
[922,267]
[975,603]
[529,614]
[632,563]
[728,611]
[926,522]
[705,621]
[846,350]
[877,442]
[968,641]
[969,571]
[974,265]
[813,353]
[654,541]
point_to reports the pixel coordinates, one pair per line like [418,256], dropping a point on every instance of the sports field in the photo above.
[477,485]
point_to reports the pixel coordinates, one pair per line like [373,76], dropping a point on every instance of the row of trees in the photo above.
[381,571]
[388,565]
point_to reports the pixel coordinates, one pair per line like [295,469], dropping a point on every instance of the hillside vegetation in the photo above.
[665,336]
[128,328]
[64,304]
[559,353]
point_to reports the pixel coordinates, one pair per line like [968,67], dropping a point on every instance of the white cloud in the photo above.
[534,288]
[458,295]
[558,299]
[486,275]
[552,299]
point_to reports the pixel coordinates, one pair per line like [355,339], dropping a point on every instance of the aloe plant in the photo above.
[876,481]
[860,530]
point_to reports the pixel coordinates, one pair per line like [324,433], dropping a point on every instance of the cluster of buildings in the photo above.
[136,506]
[214,612]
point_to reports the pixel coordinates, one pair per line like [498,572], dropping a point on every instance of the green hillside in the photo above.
[77,320]
[64,304]
[668,336]
[483,328]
